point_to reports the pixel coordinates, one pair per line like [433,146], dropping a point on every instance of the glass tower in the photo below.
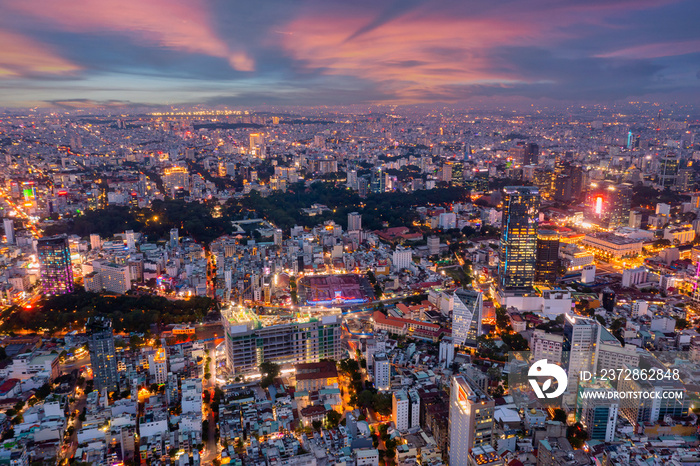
[466,317]
[56,269]
[103,358]
[518,252]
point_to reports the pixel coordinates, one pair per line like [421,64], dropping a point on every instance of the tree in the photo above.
[559,415]
[270,371]
[317,425]
[333,419]
[576,435]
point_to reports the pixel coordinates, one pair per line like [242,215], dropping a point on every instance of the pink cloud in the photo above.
[21,56]
[664,49]
[177,24]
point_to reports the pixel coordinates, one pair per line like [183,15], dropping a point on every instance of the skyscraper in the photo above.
[581,342]
[56,268]
[547,263]
[378,181]
[103,358]
[470,421]
[458,174]
[466,317]
[175,177]
[517,256]
[174,237]
[597,415]
[9,230]
[668,170]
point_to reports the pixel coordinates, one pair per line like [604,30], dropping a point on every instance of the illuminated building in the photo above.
[378,181]
[470,421]
[354,221]
[597,415]
[103,358]
[9,230]
[518,251]
[668,170]
[307,336]
[256,140]
[478,180]
[547,264]
[382,372]
[458,174]
[466,317]
[611,246]
[56,268]
[175,177]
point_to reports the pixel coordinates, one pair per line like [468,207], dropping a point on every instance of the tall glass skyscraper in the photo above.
[56,269]
[466,317]
[518,252]
[103,358]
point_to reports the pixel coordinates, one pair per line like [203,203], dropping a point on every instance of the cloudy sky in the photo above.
[326,52]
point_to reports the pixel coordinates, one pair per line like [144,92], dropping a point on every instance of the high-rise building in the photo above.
[458,174]
[470,421]
[402,258]
[547,264]
[382,372]
[466,317]
[597,412]
[103,358]
[56,267]
[354,221]
[518,251]
[95,241]
[433,245]
[668,170]
[581,342]
[478,180]
[174,237]
[285,340]
[174,178]
[620,205]
[9,230]
[405,409]
[130,240]
[378,181]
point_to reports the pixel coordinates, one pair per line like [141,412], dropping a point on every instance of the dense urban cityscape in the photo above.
[367,233]
[248,287]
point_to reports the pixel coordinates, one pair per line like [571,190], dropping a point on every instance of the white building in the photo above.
[9,230]
[470,421]
[399,410]
[447,351]
[382,372]
[366,456]
[640,308]
[680,235]
[402,258]
[354,221]
[631,277]
[192,396]
[546,346]
[447,220]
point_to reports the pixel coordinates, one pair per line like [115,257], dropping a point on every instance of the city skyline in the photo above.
[94,53]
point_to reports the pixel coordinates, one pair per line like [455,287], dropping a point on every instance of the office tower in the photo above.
[103,358]
[354,221]
[307,336]
[174,178]
[256,140]
[382,372]
[466,317]
[351,179]
[130,240]
[518,251]
[530,154]
[563,189]
[478,180]
[447,351]
[56,267]
[174,238]
[9,230]
[547,265]
[581,342]
[458,174]
[378,181]
[668,170]
[470,421]
[277,237]
[620,205]
[596,412]
[446,173]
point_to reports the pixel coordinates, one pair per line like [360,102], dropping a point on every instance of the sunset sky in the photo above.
[299,52]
